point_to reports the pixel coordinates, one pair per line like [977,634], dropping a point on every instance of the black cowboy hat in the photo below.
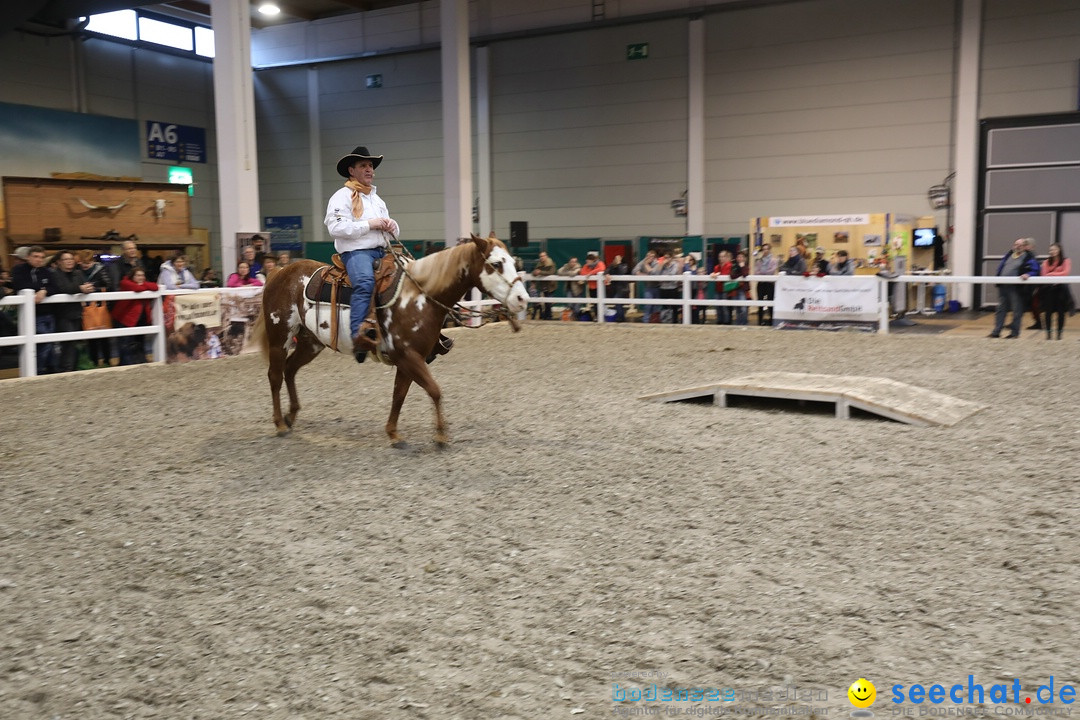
[360,153]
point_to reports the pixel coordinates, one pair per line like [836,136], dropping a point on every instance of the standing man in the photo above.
[70,280]
[767,264]
[546,288]
[33,275]
[652,291]
[593,266]
[360,224]
[619,288]
[120,267]
[574,288]
[1021,263]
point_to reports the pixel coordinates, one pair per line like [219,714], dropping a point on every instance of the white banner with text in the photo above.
[833,298]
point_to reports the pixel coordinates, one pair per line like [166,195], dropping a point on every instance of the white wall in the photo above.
[1031,52]
[587,143]
[831,106]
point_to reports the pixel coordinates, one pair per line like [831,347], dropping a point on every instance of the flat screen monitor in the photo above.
[924,237]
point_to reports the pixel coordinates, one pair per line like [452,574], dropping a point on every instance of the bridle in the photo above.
[458,312]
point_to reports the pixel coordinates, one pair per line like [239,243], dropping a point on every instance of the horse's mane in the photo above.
[439,270]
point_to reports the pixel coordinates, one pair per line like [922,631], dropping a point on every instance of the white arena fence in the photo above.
[601,301]
[28,338]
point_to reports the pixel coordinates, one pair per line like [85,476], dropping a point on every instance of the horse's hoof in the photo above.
[399,445]
[284,431]
[289,421]
[442,444]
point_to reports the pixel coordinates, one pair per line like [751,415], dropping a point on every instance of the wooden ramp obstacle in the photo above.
[879,396]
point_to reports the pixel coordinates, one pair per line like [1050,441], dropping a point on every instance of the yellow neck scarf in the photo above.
[358,191]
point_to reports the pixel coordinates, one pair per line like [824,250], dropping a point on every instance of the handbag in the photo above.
[95,316]
[731,286]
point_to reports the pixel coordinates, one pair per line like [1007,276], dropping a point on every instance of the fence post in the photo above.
[28,329]
[158,313]
[883,306]
[601,296]
[687,294]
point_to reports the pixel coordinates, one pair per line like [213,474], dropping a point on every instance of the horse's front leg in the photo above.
[422,377]
[402,381]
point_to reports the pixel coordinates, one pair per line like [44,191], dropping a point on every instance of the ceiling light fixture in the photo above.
[269,8]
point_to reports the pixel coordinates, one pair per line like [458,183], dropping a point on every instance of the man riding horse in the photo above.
[359,222]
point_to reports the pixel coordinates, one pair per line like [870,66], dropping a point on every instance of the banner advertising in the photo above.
[208,325]
[821,301]
[198,308]
[802,220]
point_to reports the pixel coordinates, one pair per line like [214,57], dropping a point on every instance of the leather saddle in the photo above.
[330,284]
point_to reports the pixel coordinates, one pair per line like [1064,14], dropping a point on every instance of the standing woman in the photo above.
[242,277]
[133,313]
[98,348]
[1055,298]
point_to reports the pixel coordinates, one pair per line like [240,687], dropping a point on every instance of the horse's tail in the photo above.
[258,335]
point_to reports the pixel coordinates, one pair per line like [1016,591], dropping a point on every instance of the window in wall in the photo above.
[163,33]
[204,41]
[140,27]
[121,24]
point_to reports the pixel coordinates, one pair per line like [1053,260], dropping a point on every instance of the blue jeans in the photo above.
[1009,298]
[361,264]
[47,355]
[741,310]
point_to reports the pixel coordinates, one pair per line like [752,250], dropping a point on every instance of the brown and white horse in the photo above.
[291,333]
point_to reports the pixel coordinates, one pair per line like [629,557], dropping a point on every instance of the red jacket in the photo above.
[128,312]
[597,269]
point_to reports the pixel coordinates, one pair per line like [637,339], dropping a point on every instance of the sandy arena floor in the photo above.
[164,555]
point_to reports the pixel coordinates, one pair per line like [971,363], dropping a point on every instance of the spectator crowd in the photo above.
[83,273]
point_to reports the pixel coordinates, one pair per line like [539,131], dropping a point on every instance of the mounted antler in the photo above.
[102,208]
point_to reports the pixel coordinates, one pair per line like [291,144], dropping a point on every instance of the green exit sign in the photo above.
[637,51]
[182,176]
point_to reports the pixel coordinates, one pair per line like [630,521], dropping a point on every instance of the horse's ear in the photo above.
[481,243]
[491,235]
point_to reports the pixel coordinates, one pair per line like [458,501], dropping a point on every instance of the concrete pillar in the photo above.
[695,161]
[234,113]
[483,144]
[317,231]
[457,145]
[966,146]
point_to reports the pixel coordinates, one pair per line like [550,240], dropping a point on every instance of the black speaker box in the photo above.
[519,233]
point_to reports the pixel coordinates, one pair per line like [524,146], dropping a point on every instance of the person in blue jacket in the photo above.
[1021,263]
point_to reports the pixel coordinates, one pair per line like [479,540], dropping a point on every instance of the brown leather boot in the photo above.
[365,341]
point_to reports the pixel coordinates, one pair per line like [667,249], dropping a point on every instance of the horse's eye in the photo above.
[497,265]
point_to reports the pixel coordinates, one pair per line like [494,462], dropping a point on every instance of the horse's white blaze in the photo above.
[274,318]
[503,284]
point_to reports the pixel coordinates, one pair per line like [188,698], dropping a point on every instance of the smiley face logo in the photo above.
[862,693]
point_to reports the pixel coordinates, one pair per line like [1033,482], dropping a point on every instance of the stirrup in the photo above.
[442,346]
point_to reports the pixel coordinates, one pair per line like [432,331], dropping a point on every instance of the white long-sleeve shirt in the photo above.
[349,233]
